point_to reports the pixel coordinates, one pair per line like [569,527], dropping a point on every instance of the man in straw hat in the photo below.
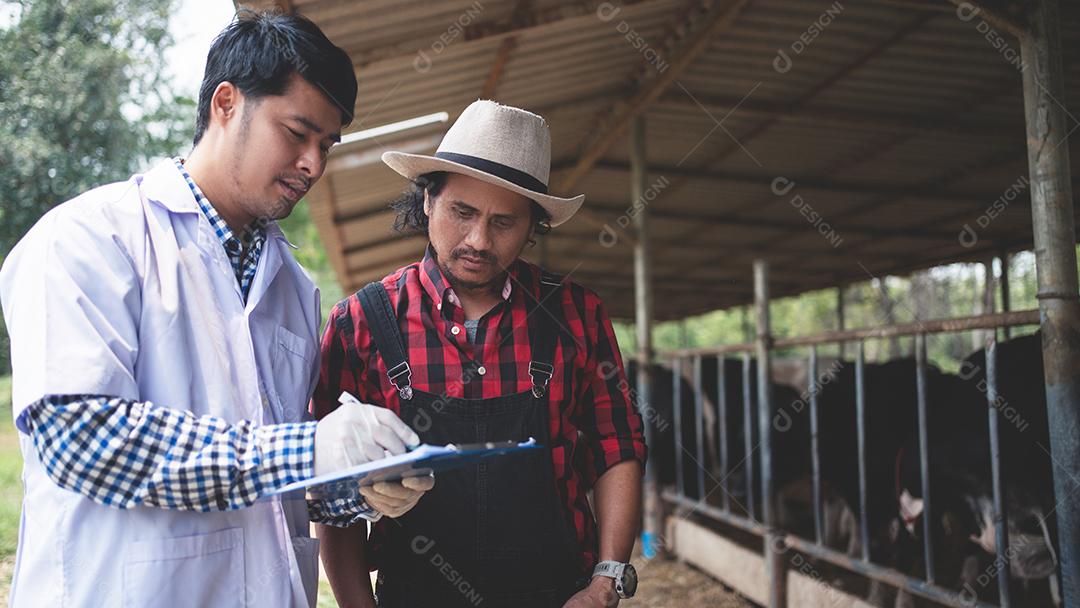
[473,344]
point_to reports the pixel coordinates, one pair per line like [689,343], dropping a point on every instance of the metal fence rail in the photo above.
[765,528]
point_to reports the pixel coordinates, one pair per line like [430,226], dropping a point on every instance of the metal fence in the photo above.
[765,407]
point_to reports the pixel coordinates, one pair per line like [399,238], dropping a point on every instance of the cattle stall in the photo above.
[690,497]
[1058,316]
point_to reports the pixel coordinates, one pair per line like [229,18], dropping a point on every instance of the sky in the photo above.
[193,27]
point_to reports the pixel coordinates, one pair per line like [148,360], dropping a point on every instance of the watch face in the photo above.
[629,580]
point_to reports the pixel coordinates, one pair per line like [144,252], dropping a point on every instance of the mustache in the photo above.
[298,178]
[473,253]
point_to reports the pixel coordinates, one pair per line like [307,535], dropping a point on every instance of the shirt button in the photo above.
[481,370]
[455,330]
[439,306]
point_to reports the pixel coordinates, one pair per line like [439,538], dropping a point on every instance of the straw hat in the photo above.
[501,145]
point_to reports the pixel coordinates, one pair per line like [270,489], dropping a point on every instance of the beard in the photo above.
[493,285]
[272,207]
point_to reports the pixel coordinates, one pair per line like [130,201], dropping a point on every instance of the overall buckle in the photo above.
[405,388]
[539,388]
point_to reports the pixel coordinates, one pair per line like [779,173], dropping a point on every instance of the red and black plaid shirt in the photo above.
[591,410]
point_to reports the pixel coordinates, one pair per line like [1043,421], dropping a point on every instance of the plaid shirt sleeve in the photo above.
[606,416]
[337,375]
[125,454]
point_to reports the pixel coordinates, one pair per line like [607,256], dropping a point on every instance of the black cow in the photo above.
[890,419]
[961,483]
[657,410]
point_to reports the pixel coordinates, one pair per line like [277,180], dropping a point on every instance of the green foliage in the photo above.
[311,253]
[83,102]
[10,474]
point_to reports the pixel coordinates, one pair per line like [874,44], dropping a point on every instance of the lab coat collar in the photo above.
[164,185]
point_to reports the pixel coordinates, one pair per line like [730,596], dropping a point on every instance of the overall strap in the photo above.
[544,332]
[382,322]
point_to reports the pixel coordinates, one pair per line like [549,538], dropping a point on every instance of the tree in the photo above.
[83,102]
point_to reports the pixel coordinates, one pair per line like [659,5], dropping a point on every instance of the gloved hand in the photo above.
[356,433]
[396,498]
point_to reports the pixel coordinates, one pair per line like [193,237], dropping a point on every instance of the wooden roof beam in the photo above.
[720,15]
[810,183]
[739,142]
[919,5]
[498,67]
[516,23]
[1007,16]
[831,118]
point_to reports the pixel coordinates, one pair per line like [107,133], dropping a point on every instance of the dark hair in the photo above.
[411,218]
[260,51]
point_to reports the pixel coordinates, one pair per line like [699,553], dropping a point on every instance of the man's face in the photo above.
[477,230]
[277,148]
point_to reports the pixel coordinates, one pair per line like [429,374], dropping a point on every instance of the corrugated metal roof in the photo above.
[896,126]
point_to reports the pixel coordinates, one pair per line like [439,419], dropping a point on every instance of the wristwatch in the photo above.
[624,574]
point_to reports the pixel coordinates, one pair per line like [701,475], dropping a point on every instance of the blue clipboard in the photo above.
[423,460]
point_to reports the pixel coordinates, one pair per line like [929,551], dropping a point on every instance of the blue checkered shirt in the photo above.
[125,454]
[243,249]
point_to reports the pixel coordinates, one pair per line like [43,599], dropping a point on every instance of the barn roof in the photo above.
[839,141]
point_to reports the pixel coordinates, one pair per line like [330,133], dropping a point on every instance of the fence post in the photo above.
[775,570]
[1055,256]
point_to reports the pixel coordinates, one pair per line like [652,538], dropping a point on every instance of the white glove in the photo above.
[356,433]
[396,498]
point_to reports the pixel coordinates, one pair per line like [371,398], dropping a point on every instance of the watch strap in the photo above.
[609,568]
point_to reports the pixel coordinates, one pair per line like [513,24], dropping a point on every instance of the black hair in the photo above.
[411,218]
[260,51]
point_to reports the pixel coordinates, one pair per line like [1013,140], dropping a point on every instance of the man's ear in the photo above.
[427,203]
[226,102]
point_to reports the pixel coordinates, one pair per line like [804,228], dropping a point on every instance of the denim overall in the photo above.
[492,533]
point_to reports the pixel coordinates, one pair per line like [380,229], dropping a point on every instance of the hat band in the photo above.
[510,174]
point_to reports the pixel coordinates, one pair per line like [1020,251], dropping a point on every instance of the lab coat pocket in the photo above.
[307,561]
[292,361]
[203,570]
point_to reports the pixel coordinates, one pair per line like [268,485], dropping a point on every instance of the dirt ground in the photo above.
[668,583]
[664,583]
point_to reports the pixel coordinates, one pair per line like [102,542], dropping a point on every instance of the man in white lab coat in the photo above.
[164,345]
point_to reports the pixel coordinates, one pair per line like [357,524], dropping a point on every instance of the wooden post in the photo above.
[774,548]
[840,315]
[1006,304]
[988,296]
[651,540]
[1055,257]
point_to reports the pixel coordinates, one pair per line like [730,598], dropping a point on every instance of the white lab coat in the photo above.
[127,291]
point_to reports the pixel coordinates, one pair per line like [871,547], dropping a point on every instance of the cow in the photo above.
[961,483]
